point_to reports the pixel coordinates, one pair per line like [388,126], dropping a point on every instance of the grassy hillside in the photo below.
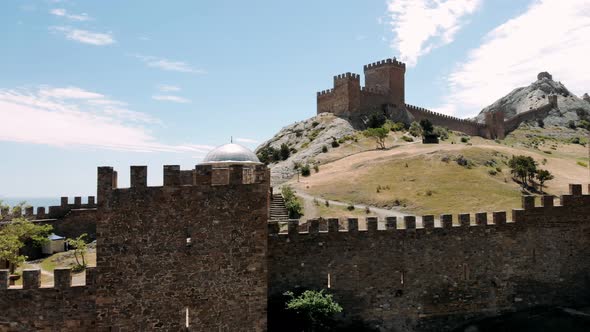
[452,177]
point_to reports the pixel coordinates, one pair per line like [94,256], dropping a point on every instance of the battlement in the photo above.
[386,62]
[208,175]
[32,279]
[347,77]
[374,90]
[574,201]
[445,116]
[52,212]
[325,92]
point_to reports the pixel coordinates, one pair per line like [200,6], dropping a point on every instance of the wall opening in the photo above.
[401,277]
[189,241]
[186,322]
[329,282]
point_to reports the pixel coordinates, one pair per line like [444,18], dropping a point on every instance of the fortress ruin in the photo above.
[384,93]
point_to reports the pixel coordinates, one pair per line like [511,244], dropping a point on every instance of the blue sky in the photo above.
[89,83]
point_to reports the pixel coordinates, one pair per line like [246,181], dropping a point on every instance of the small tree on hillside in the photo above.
[316,308]
[80,249]
[427,127]
[379,134]
[13,237]
[543,176]
[285,152]
[523,167]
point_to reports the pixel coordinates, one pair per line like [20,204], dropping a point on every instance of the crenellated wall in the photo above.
[52,212]
[440,276]
[58,307]
[191,250]
[438,119]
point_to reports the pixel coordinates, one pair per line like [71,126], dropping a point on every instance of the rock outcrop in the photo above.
[520,100]
[306,139]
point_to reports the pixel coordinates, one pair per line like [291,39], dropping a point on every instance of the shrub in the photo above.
[398,126]
[314,308]
[407,139]
[316,168]
[541,123]
[571,124]
[314,134]
[285,151]
[464,139]
[335,143]
[441,132]
[298,133]
[350,207]
[492,172]
[379,134]
[376,120]
[315,124]
[426,126]
[415,129]
[305,171]
[367,210]
[583,164]
[292,203]
[324,149]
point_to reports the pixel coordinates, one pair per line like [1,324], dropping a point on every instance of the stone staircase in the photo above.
[278,210]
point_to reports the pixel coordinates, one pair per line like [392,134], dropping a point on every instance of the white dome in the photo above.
[231,153]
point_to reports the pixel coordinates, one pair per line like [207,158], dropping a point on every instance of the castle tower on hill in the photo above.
[384,85]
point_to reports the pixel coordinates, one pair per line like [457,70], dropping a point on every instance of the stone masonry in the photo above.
[198,254]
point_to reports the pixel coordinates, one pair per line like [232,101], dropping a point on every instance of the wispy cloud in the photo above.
[168,88]
[245,140]
[422,25]
[85,36]
[552,35]
[166,64]
[61,12]
[61,117]
[175,99]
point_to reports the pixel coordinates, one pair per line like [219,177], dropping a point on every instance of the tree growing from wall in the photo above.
[292,203]
[316,308]
[15,234]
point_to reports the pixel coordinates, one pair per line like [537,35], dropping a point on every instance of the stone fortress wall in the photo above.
[441,275]
[384,91]
[188,255]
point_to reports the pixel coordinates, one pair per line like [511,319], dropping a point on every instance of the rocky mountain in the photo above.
[306,140]
[570,107]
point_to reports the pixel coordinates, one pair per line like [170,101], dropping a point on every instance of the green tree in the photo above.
[523,167]
[316,308]
[415,129]
[285,152]
[305,170]
[543,176]
[13,237]
[427,127]
[441,132]
[80,249]
[379,134]
[376,120]
[292,203]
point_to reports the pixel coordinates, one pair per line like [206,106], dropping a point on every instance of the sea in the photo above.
[32,201]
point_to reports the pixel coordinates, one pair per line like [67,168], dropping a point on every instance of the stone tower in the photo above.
[387,76]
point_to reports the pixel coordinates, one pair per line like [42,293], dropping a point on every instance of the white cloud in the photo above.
[85,36]
[166,64]
[38,117]
[168,88]
[175,99]
[422,25]
[74,17]
[245,140]
[552,35]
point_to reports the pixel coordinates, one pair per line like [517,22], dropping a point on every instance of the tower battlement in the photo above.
[385,62]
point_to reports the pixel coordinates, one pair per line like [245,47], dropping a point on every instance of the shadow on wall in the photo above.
[538,319]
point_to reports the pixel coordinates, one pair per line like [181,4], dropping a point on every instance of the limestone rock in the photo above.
[307,138]
[523,99]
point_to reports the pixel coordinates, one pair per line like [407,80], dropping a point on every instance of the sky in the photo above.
[119,83]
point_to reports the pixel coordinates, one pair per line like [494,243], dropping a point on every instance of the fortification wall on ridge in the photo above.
[438,119]
[436,278]
[541,112]
[61,307]
[191,250]
[52,212]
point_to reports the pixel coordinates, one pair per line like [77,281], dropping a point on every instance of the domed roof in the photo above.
[231,153]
